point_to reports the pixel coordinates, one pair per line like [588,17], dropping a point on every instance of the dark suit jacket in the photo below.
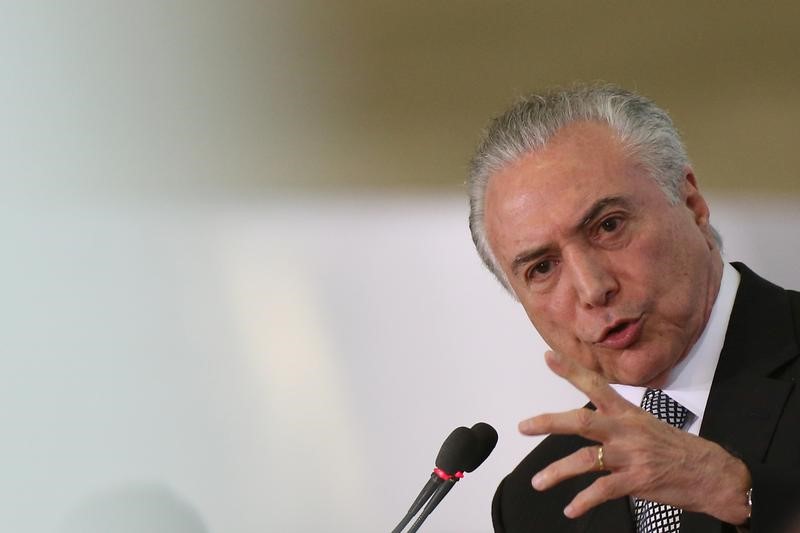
[753,410]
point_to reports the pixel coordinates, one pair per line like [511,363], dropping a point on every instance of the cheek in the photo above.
[554,316]
[658,268]
[549,314]
[557,333]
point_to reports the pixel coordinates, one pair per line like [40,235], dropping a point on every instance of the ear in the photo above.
[696,204]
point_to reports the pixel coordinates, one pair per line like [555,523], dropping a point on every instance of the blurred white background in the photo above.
[239,293]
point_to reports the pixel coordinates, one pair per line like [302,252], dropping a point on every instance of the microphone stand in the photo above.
[424,495]
[437,497]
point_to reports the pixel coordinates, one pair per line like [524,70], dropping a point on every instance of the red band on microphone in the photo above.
[442,474]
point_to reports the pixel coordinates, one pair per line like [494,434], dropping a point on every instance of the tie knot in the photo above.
[664,408]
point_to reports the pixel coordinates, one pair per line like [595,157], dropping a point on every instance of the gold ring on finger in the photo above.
[600,464]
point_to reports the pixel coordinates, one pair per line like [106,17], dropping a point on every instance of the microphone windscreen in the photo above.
[487,439]
[459,451]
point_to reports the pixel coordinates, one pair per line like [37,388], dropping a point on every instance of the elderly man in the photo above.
[585,207]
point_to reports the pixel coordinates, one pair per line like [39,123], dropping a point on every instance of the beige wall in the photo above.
[411,85]
[189,97]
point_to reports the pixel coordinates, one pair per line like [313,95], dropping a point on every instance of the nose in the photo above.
[594,282]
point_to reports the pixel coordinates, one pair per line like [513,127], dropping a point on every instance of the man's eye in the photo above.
[610,224]
[541,269]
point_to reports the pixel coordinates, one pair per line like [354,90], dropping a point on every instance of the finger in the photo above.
[580,462]
[583,422]
[592,384]
[603,489]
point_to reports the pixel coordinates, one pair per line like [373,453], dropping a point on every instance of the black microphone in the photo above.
[486,437]
[459,452]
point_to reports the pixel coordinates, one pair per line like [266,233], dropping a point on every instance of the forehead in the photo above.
[546,191]
[585,154]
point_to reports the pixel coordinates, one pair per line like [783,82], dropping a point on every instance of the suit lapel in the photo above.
[744,403]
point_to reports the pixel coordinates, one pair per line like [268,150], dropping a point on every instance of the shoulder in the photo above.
[765,317]
[517,506]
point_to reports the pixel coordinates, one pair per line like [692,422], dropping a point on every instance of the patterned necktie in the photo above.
[653,517]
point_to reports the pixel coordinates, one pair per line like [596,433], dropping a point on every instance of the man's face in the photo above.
[608,270]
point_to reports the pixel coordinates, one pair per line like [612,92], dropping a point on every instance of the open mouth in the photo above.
[618,329]
[622,335]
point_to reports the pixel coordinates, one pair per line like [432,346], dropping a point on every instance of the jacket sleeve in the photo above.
[497,512]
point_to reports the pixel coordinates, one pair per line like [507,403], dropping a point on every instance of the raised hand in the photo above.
[644,456]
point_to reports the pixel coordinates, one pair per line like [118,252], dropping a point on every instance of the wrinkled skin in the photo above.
[639,257]
[646,457]
[619,281]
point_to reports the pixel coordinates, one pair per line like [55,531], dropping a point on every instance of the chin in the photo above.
[645,377]
[641,368]
[650,379]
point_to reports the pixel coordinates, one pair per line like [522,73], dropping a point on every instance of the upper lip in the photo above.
[614,325]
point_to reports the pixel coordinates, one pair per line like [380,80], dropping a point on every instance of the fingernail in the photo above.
[568,511]
[538,481]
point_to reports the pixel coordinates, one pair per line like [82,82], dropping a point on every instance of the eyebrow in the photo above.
[599,206]
[588,217]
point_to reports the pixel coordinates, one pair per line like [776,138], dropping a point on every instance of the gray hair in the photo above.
[645,130]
